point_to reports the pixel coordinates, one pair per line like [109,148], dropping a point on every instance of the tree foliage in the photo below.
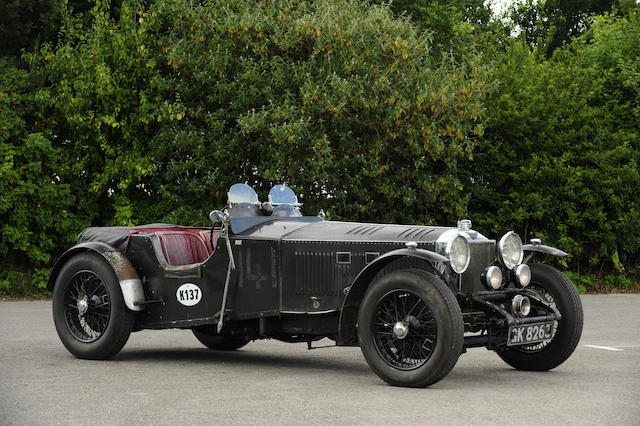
[455,27]
[36,207]
[26,24]
[339,99]
[549,24]
[419,111]
[562,148]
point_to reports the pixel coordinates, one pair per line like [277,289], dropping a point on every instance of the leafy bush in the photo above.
[36,216]
[455,27]
[562,148]
[170,105]
[147,111]
[548,24]
[583,283]
[27,24]
[591,283]
[32,283]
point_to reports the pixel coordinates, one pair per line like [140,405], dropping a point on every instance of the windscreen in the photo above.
[282,194]
[242,193]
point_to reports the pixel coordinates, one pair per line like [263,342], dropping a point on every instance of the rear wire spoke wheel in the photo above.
[554,287]
[89,311]
[87,306]
[410,328]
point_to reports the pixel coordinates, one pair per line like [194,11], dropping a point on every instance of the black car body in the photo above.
[266,271]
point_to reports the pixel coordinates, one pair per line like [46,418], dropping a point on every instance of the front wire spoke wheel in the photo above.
[87,307]
[403,340]
[557,289]
[410,328]
[547,297]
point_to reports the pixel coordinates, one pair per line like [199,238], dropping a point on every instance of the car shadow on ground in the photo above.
[500,376]
[197,356]
[460,377]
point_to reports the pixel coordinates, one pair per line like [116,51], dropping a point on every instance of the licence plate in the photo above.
[530,333]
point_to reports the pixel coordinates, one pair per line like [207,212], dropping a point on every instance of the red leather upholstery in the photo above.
[181,245]
[182,248]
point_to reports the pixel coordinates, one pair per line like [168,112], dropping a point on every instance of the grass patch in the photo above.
[590,283]
[29,285]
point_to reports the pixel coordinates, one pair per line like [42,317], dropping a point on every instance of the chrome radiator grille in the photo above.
[482,255]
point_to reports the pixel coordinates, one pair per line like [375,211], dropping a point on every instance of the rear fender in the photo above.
[130,283]
[347,332]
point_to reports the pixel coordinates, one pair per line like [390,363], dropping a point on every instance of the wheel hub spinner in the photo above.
[400,330]
[83,305]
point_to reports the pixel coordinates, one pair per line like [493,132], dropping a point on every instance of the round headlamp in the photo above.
[510,251]
[492,278]
[455,247]
[522,274]
[457,250]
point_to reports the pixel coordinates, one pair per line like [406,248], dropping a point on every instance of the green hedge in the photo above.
[36,205]
[148,111]
[338,99]
[562,147]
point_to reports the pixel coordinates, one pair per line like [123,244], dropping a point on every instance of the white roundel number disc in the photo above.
[188,294]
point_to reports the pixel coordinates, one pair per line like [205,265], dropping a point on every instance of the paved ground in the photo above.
[166,377]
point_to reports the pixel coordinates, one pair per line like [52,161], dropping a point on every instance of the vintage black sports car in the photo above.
[412,297]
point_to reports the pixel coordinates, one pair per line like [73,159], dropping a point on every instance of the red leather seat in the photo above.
[186,246]
[180,245]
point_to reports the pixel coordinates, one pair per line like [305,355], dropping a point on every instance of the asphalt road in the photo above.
[166,377]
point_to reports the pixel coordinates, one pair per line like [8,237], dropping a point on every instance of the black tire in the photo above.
[216,342]
[439,331]
[548,355]
[89,273]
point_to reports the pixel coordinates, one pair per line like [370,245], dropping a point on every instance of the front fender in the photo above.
[347,333]
[540,248]
[130,283]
